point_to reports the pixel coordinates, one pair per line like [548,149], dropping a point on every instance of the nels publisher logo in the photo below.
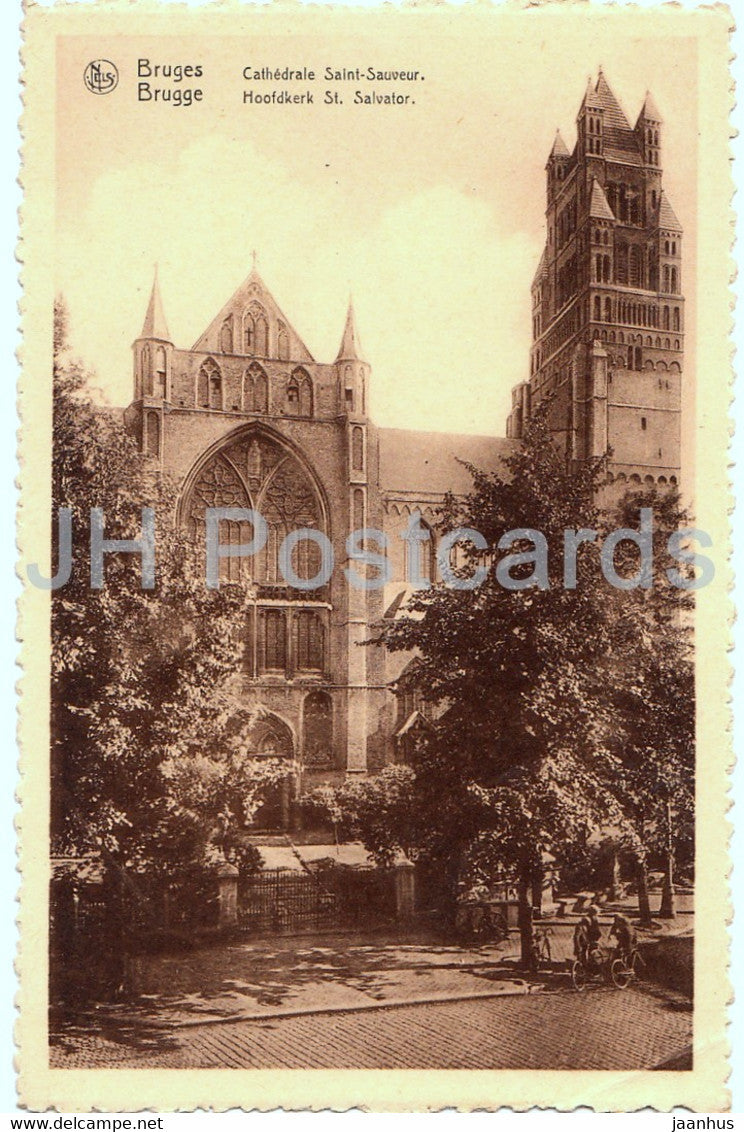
[101,76]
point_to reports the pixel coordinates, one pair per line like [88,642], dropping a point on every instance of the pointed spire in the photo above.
[349,350]
[155,325]
[560,149]
[590,99]
[614,115]
[666,217]
[598,206]
[649,111]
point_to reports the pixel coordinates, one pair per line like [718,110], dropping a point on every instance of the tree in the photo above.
[654,695]
[379,811]
[149,765]
[519,760]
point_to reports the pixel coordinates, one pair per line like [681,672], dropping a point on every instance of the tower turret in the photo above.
[557,164]
[153,362]
[590,122]
[607,305]
[352,371]
[352,386]
[648,131]
[153,351]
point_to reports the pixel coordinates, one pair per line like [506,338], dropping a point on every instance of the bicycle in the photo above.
[623,968]
[582,971]
[619,971]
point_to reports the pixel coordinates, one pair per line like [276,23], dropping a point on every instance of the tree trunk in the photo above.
[644,907]
[527,957]
[538,876]
[615,884]
[667,911]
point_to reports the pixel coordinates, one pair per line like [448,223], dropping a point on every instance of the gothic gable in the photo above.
[252,325]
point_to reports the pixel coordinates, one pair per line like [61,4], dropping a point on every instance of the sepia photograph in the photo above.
[384,461]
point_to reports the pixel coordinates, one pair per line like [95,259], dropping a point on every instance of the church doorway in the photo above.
[269,737]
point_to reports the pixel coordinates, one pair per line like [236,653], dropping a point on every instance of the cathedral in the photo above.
[247,418]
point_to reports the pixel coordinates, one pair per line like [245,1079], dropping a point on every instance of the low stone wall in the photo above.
[670,962]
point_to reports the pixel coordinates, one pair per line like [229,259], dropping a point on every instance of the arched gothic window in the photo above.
[420,556]
[145,370]
[255,471]
[249,334]
[255,390]
[317,714]
[160,372]
[209,386]
[621,263]
[262,337]
[255,331]
[282,343]
[357,449]
[226,336]
[274,624]
[357,505]
[293,398]
[300,394]
[309,631]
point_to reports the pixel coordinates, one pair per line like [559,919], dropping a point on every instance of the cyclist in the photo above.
[626,936]
[593,935]
[581,940]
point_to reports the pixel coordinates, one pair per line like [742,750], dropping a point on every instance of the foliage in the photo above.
[147,764]
[379,811]
[655,699]
[555,709]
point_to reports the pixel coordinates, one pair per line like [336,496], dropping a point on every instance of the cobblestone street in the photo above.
[599,1029]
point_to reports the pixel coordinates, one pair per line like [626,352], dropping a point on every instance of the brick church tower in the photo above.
[607,308]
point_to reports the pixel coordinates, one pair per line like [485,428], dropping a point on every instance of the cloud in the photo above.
[441,285]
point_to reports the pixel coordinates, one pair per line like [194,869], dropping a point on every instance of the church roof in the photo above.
[666,217]
[560,149]
[649,110]
[350,349]
[155,325]
[591,99]
[620,142]
[540,267]
[598,206]
[613,113]
[254,293]
[427,463]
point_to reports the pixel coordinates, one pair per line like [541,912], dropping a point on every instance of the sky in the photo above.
[430,215]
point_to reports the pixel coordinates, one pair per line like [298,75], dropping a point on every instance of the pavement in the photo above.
[598,1029]
[341,1001]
